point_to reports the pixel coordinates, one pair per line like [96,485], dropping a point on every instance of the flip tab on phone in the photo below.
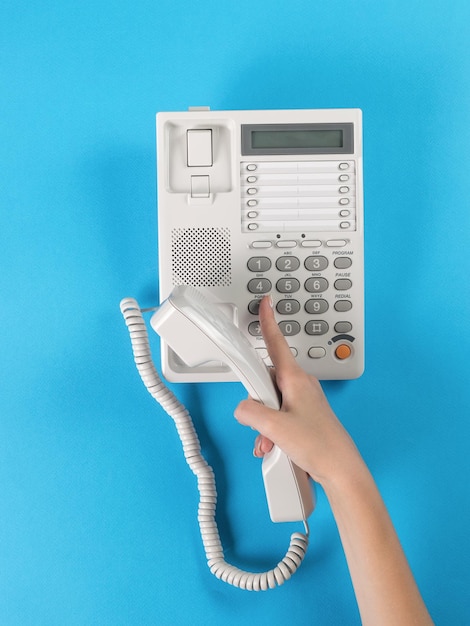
[199,332]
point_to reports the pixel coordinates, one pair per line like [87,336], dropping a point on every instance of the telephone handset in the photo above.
[186,318]
[199,333]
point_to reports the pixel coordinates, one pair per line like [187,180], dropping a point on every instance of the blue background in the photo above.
[98,509]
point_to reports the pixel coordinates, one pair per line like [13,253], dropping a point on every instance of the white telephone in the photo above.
[251,202]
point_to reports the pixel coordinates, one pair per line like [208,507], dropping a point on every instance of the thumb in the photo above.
[259,416]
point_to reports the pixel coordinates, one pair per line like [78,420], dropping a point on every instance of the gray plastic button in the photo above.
[316,263]
[287,285]
[319,327]
[288,307]
[342,262]
[343,327]
[287,263]
[259,285]
[259,264]
[289,328]
[343,284]
[343,305]
[316,285]
[313,307]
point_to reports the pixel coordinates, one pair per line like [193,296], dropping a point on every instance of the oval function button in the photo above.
[253,214]
[343,305]
[285,243]
[343,189]
[251,179]
[342,262]
[343,284]
[252,226]
[344,201]
[311,243]
[316,263]
[343,166]
[252,202]
[343,177]
[251,167]
[261,244]
[259,264]
[251,191]
[343,327]
[316,352]
[345,225]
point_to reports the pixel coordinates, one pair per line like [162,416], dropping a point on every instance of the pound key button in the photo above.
[343,352]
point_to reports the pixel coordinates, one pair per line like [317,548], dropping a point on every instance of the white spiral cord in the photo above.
[203,471]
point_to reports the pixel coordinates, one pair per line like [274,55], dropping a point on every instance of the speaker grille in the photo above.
[201,257]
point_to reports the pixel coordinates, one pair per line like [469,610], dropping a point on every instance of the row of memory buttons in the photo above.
[305,243]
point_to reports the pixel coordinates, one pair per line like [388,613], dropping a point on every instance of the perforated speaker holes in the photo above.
[201,257]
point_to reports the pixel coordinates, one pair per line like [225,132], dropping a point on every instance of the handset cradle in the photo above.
[198,332]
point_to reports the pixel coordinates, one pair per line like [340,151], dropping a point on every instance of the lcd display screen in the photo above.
[293,139]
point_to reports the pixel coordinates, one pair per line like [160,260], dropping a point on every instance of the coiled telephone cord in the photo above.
[203,471]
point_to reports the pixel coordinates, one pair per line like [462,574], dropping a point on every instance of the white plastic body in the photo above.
[198,332]
[212,220]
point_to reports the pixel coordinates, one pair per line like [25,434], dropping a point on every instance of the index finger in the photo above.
[276,345]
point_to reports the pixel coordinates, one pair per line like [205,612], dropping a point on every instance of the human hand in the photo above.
[305,427]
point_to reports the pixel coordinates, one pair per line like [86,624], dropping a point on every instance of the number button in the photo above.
[287,285]
[259,285]
[316,328]
[254,329]
[253,307]
[288,307]
[289,329]
[259,264]
[288,263]
[316,285]
[314,307]
[316,263]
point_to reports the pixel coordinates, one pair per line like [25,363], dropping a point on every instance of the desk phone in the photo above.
[257,202]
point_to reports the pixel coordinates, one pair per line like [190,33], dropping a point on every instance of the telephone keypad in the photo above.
[319,282]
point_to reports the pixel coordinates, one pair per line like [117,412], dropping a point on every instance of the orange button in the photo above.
[343,351]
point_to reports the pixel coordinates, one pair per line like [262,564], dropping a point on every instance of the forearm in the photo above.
[384,585]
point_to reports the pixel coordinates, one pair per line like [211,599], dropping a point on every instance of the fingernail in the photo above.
[271,303]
